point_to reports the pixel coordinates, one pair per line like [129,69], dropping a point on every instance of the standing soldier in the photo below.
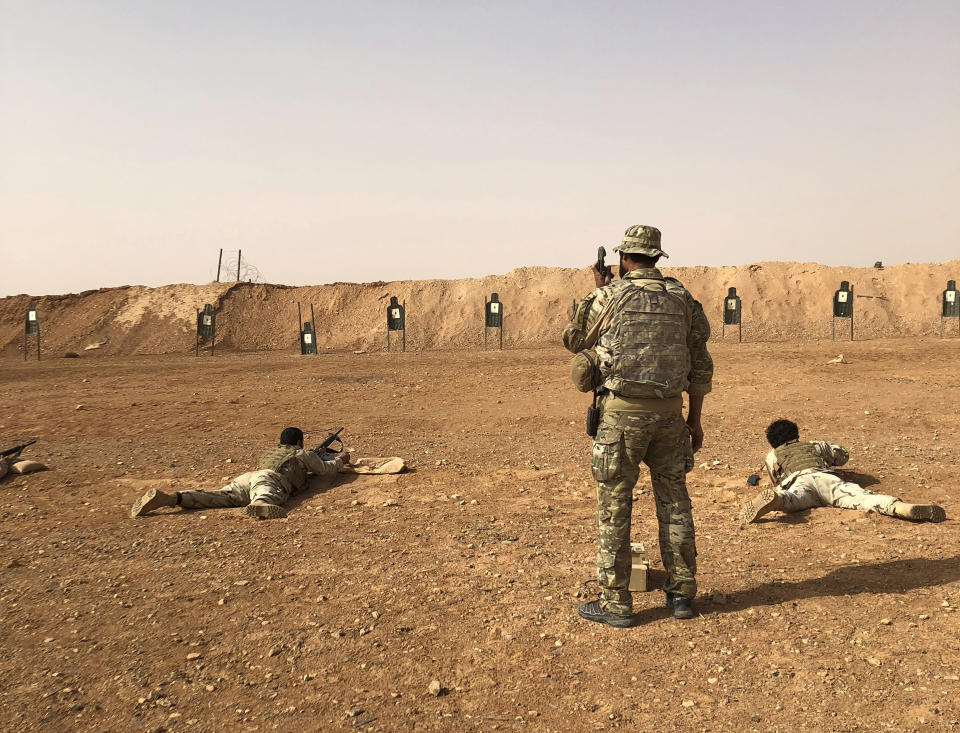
[650,341]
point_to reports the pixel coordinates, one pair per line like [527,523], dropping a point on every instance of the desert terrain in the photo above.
[466,570]
[445,598]
[782,301]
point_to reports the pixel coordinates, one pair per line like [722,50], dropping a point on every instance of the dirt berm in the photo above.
[782,301]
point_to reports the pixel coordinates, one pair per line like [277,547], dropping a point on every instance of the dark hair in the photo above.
[291,436]
[642,260]
[782,431]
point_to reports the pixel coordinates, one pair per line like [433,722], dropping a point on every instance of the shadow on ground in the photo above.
[319,485]
[853,477]
[896,576]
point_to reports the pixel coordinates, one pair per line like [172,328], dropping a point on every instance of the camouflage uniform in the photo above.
[282,472]
[643,429]
[801,472]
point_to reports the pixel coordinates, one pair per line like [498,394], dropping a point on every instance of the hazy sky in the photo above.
[393,140]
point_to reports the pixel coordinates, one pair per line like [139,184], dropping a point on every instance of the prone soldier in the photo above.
[283,471]
[802,476]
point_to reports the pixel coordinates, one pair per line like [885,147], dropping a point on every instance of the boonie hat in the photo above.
[641,240]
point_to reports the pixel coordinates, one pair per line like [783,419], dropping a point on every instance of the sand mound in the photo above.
[782,301]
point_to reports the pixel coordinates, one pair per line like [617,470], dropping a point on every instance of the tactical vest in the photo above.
[280,459]
[797,456]
[646,341]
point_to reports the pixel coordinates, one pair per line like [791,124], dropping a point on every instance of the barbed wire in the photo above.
[229,272]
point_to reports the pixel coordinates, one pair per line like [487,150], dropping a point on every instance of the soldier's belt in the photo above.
[613,402]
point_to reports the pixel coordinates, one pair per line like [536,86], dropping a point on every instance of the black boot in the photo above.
[681,605]
[593,612]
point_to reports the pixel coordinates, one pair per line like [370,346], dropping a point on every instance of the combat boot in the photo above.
[918,512]
[153,499]
[767,500]
[592,611]
[263,510]
[680,605]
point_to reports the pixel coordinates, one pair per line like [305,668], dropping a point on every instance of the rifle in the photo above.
[594,413]
[16,450]
[328,441]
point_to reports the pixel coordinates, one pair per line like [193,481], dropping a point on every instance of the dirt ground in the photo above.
[467,569]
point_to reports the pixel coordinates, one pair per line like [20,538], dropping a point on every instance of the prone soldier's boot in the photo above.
[153,499]
[767,500]
[264,510]
[918,512]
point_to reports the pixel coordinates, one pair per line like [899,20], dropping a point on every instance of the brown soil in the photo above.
[781,302]
[466,570]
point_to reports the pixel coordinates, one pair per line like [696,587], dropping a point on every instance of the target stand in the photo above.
[842,308]
[492,317]
[949,307]
[308,336]
[397,321]
[31,325]
[206,328]
[732,315]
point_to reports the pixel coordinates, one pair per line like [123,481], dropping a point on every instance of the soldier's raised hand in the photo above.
[602,278]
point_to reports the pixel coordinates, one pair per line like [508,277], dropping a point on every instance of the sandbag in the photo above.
[394,464]
[23,467]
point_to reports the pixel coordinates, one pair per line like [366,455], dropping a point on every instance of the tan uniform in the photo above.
[644,427]
[282,472]
[801,472]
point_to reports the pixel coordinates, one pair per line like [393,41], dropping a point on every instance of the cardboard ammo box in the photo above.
[639,570]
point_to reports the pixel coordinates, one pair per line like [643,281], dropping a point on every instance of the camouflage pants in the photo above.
[662,442]
[266,486]
[826,489]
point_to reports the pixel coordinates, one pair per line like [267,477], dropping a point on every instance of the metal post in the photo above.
[851,325]
[501,329]
[833,329]
[388,338]
[740,328]
[299,318]
[38,339]
[213,338]
[197,351]
[404,311]
[219,262]
[25,343]
[313,320]
[941,325]
[239,252]
[484,322]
